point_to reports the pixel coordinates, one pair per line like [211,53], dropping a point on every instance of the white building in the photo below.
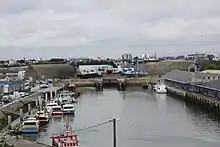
[144,56]
[12,62]
[21,74]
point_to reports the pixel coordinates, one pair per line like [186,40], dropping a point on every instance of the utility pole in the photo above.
[114,132]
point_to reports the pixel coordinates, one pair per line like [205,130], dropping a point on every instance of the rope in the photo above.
[97,125]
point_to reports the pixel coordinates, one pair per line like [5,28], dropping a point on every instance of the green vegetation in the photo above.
[211,65]
[53,61]
[97,62]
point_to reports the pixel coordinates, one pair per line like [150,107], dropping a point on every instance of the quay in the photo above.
[190,86]
[15,112]
[112,81]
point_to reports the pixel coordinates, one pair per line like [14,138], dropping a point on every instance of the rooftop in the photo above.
[177,75]
[214,84]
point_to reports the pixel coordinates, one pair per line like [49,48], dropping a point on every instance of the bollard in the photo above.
[21,114]
[9,121]
[29,109]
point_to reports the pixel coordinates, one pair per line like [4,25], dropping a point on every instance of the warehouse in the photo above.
[206,84]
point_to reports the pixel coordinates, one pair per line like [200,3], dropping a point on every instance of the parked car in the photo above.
[44,85]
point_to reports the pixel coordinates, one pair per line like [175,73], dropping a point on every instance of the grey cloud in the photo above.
[108,27]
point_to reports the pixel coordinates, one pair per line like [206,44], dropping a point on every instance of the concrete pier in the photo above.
[98,84]
[112,80]
[121,85]
[29,109]
[9,121]
[46,96]
[21,114]
[51,95]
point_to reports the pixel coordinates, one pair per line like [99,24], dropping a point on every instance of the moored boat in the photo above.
[68,109]
[160,88]
[50,105]
[66,139]
[57,110]
[31,125]
[42,117]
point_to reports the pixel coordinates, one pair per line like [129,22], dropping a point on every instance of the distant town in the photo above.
[23,74]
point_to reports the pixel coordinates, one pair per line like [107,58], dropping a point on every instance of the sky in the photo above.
[81,28]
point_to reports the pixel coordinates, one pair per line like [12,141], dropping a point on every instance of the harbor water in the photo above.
[146,120]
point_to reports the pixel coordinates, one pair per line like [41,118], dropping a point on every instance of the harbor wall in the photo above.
[129,81]
[194,97]
[15,105]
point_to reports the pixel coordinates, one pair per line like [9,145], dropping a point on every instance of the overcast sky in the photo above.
[75,28]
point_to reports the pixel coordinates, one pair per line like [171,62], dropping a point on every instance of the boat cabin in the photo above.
[56,108]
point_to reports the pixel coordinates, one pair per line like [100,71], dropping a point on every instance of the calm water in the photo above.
[146,120]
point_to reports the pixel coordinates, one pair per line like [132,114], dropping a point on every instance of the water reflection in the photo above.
[32,137]
[147,119]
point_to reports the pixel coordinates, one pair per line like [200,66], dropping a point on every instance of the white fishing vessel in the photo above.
[160,88]
[50,105]
[42,117]
[68,109]
[57,110]
[31,125]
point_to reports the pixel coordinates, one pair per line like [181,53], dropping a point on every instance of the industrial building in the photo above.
[202,83]
[7,87]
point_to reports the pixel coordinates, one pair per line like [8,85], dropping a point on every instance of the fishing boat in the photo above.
[71,87]
[66,139]
[50,105]
[160,88]
[57,110]
[31,125]
[42,117]
[68,109]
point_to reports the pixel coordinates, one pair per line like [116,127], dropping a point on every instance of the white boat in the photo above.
[57,110]
[68,109]
[42,117]
[50,105]
[160,88]
[31,125]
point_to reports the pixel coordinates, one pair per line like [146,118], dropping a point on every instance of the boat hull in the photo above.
[43,122]
[161,92]
[71,112]
[57,113]
[29,131]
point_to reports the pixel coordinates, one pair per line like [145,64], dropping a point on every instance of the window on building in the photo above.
[213,78]
[208,77]
[218,77]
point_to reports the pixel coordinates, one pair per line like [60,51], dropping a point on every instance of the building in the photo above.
[50,71]
[21,74]
[126,61]
[10,87]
